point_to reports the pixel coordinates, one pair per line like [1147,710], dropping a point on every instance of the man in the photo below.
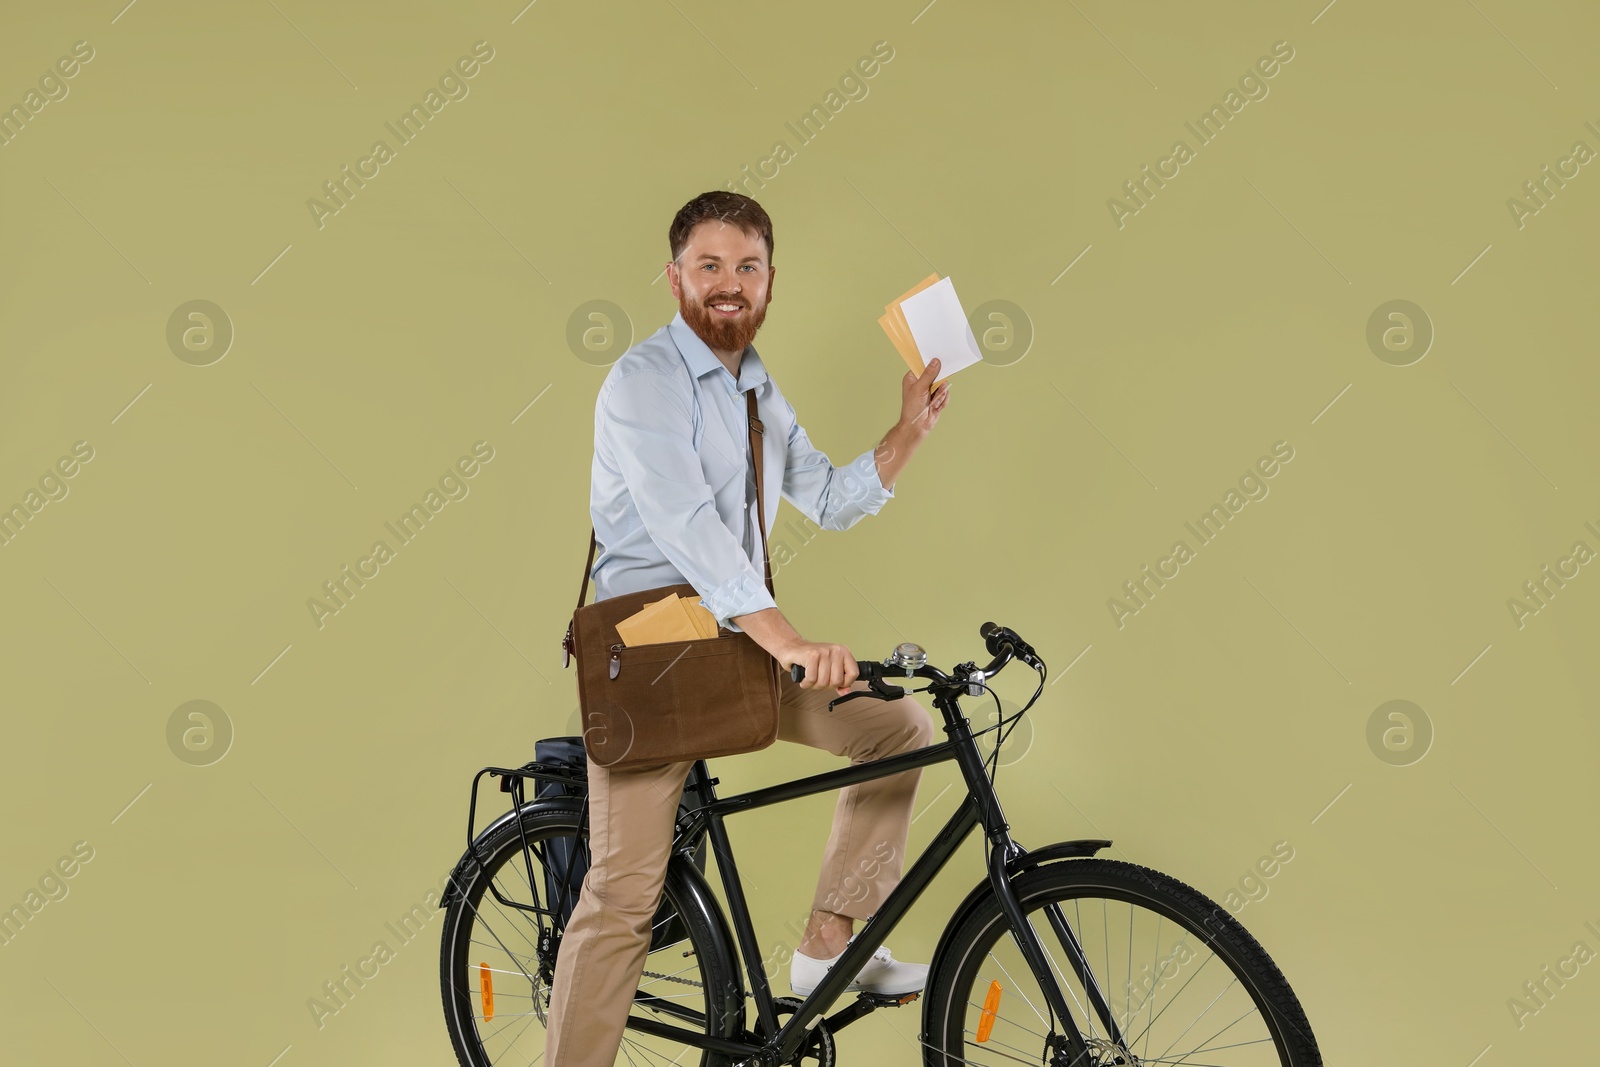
[673,499]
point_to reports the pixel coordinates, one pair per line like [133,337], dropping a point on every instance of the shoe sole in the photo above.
[855,988]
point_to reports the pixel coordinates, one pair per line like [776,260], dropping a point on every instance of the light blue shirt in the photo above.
[672,488]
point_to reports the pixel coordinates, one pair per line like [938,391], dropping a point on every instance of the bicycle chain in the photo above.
[674,978]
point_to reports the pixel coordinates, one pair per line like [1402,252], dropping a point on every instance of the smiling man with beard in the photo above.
[672,499]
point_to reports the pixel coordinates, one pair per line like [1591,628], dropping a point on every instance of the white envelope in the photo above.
[941,329]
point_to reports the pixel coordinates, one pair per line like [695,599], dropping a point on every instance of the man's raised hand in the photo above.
[920,403]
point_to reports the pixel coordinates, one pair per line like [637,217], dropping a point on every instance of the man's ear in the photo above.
[772,272]
[672,278]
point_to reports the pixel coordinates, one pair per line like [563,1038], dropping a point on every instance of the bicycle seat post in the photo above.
[701,782]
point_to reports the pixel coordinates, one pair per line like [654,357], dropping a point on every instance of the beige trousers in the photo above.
[631,818]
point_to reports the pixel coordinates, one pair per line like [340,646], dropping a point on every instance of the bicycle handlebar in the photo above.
[1002,642]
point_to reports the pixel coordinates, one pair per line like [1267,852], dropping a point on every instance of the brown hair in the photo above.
[726,206]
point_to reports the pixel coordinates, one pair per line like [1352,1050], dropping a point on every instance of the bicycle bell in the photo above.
[908,656]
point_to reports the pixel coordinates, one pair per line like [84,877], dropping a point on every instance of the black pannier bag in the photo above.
[564,869]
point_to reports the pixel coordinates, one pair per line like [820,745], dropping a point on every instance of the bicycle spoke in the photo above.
[1202,1047]
[502,1029]
[1174,998]
[1019,987]
[498,970]
[1066,984]
[1077,914]
[1008,1021]
[1088,977]
[514,917]
[518,1036]
[508,1015]
[996,1042]
[1105,906]
[1155,978]
[478,915]
[985,1048]
[517,919]
[1219,1048]
[1202,1014]
[947,1057]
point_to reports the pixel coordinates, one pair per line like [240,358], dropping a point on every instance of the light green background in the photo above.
[1224,317]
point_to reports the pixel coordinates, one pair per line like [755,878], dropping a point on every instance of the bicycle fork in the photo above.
[1069,1049]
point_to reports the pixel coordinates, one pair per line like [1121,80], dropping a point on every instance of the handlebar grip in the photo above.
[997,637]
[797,671]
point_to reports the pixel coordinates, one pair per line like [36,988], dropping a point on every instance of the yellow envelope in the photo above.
[673,618]
[894,324]
[699,621]
[657,621]
[702,618]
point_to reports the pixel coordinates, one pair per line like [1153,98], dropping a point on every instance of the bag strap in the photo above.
[757,432]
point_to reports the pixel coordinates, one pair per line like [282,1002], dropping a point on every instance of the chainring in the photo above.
[818,1049]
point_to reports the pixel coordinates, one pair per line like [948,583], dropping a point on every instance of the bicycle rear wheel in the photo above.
[1181,980]
[497,959]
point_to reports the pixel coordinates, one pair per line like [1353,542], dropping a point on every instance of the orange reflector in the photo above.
[486,989]
[991,1007]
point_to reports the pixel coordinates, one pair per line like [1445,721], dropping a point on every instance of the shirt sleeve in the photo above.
[648,430]
[835,498]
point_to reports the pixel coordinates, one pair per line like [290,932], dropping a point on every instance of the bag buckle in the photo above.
[566,647]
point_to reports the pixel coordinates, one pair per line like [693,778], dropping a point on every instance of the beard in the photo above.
[729,335]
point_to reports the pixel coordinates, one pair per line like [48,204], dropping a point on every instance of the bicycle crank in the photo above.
[818,1048]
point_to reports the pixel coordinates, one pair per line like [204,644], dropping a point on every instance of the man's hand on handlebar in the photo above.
[825,665]
[908,660]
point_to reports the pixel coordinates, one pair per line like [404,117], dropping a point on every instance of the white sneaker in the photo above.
[883,974]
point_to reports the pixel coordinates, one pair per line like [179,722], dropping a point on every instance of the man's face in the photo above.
[723,265]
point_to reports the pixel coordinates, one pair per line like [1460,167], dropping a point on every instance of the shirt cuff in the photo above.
[865,485]
[743,593]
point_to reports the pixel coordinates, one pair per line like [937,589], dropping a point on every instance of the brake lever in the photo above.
[875,689]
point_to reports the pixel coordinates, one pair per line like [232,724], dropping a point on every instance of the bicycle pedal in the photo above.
[886,1000]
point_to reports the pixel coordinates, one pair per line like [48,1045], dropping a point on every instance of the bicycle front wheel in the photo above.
[502,934]
[1167,977]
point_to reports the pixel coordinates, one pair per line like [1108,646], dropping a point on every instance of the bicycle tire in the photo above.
[949,1038]
[501,852]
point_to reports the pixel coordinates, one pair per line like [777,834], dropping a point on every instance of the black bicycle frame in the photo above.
[980,807]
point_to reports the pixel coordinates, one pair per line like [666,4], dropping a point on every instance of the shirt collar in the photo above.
[702,361]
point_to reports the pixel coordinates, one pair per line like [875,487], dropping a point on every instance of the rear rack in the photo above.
[511,781]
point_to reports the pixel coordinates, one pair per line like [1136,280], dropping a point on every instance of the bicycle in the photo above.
[1057,957]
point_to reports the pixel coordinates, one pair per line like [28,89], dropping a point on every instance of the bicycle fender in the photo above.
[1061,850]
[696,893]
